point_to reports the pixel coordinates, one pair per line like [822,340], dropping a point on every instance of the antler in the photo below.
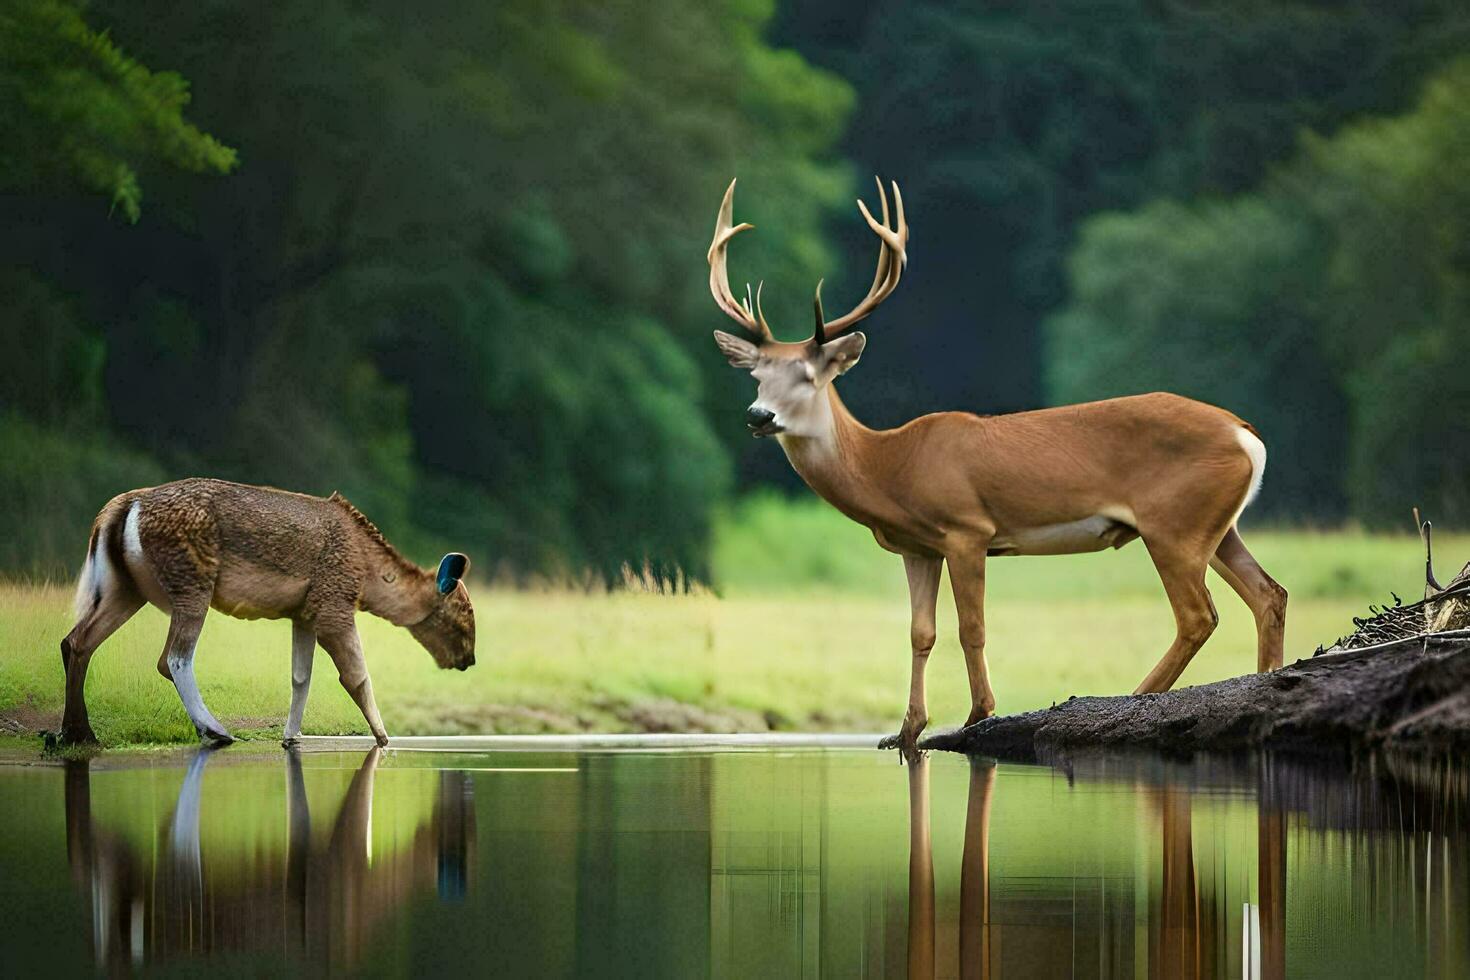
[892,257]
[754,321]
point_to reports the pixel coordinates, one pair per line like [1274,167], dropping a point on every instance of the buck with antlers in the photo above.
[955,488]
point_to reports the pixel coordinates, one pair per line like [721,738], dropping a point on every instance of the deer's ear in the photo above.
[740,353]
[839,355]
[451,569]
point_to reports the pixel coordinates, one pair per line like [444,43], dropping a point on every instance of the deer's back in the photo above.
[258,551]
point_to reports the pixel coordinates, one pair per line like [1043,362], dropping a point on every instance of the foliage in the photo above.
[457,275]
[456,271]
[1009,124]
[53,483]
[53,368]
[71,103]
[1391,198]
[1329,307]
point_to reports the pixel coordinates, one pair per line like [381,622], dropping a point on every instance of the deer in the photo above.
[318,898]
[955,489]
[256,553]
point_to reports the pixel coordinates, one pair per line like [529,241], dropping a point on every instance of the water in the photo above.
[762,862]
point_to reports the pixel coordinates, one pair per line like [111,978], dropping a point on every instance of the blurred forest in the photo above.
[449,258]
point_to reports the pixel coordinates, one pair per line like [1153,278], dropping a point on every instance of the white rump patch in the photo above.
[1256,450]
[137,561]
[132,541]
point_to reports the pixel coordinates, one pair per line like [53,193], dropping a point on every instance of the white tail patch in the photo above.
[1256,450]
[96,576]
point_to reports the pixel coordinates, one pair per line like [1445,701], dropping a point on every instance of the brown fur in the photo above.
[953,488]
[252,553]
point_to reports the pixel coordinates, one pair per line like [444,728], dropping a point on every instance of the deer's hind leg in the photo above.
[303,647]
[1266,599]
[1182,525]
[178,652]
[1181,567]
[113,607]
[1182,570]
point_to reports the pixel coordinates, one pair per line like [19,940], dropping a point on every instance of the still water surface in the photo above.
[753,863]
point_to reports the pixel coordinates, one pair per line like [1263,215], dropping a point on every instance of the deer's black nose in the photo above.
[758,417]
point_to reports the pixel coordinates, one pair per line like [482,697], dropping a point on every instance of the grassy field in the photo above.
[808,629]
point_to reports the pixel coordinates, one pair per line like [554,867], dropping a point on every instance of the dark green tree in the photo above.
[1330,307]
[458,274]
[74,107]
[1008,124]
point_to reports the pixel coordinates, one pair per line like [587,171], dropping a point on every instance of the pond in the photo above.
[757,861]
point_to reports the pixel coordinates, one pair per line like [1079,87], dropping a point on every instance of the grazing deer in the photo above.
[955,488]
[256,553]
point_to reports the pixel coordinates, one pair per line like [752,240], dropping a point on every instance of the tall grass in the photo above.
[807,628]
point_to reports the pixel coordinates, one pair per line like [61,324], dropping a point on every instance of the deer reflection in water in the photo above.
[1184,919]
[321,903]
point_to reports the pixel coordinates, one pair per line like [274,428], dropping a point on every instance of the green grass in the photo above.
[807,629]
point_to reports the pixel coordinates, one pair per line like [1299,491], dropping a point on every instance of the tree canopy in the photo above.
[74,107]
[1329,305]
[455,274]
[1009,124]
[449,259]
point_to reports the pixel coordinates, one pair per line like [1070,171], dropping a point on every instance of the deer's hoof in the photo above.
[907,744]
[79,735]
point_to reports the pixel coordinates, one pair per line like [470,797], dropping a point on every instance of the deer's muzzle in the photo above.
[761,422]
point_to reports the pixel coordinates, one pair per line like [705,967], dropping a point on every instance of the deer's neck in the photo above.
[396,590]
[837,458]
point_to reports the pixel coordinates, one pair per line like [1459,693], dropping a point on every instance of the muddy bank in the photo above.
[1411,694]
[1388,790]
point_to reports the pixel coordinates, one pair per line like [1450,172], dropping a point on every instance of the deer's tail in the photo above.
[103,565]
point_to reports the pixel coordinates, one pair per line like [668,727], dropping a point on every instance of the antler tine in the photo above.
[881,275]
[892,258]
[895,238]
[901,224]
[820,335]
[719,277]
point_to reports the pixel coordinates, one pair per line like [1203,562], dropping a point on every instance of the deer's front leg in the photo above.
[303,648]
[345,648]
[967,578]
[923,576]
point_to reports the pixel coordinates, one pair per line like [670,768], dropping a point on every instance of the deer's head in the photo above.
[448,631]
[791,376]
